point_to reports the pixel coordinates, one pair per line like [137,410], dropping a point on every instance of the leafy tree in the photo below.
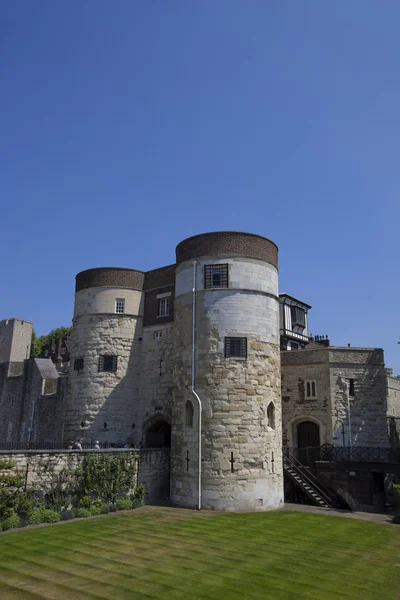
[40,343]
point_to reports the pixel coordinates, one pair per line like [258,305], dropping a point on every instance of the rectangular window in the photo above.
[298,316]
[158,334]
[120,306]
[351,387]
[78,364]
[63,350]
[235,347]
[108,363]
[216,276]
[163,307]
[9,431]
[311,389]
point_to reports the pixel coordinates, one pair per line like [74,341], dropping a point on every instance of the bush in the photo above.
[104,509]
[95,510]
[82,513]
[140,494]
[44,515]
[56,498]
[98,502]
[11,522]
[85,502]
[124,504]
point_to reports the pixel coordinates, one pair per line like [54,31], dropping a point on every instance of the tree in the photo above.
[39,344]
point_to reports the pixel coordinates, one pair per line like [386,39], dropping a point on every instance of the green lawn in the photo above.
[165,553]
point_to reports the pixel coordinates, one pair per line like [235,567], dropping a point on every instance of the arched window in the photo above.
[271,415]
[189,411]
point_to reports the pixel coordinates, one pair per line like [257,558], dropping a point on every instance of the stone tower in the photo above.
[237,373]
[15,340]
[105,356]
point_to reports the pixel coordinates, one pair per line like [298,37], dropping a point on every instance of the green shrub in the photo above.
[12,522]
[44,515]
[25,504]
[56,498]
[85,502]
[124,504]
[95,510]
[82,513]
[104,509]
[98,502]
[140,493]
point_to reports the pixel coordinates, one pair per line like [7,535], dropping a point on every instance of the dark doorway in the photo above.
[307,434]
[158,435]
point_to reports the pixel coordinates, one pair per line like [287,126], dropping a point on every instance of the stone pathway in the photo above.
[348,514]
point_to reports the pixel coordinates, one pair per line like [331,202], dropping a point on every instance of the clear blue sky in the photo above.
[127,126]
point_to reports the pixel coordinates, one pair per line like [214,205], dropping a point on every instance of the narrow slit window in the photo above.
[351,387]
[189,412]
[311,389]
[271,415]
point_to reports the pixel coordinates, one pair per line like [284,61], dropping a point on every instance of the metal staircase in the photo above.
[308,483]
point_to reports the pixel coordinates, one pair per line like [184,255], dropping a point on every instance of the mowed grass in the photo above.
[166,553]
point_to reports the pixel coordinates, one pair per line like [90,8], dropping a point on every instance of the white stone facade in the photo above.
[241,450]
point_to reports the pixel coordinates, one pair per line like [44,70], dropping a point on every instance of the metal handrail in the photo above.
[315,484]
[311,476]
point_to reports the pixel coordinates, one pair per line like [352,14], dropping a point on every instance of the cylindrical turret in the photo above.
[105,365]
[237,373]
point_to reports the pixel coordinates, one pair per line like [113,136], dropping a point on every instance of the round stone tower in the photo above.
[105,365]
[237,373]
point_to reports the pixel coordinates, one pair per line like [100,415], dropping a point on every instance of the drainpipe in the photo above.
[193,375]
[349,420]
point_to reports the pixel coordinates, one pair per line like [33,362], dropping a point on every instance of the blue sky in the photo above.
[127,126]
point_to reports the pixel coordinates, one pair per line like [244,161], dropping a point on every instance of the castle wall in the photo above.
[297,368]
[242,452]
[15,340]
[155,376]
[393,409]
[43,469]
[332,369]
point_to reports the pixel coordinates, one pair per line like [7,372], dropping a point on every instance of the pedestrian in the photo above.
[70,444]
[96,445]
[77,445]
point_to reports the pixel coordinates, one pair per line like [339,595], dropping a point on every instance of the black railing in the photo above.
[309,456]
[13,446]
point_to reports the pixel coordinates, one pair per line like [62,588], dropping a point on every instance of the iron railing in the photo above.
[13,446]
[309,456]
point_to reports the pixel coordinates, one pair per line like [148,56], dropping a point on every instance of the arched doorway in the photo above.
[158,434]
[308,434]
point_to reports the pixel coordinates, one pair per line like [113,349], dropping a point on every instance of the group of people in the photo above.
[77,445]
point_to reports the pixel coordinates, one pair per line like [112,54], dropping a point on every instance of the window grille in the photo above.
[216,276]
[120,306]
[108,363]
[235,347]
[78,364]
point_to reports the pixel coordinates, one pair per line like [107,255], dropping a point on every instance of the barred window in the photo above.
[216,276]
[78,364]
[163,307]
[235,347]
[120,306]
[298,316]
[108,363]
[158,334]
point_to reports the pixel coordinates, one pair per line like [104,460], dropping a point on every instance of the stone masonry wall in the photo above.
[98,398]
[43,468]
[235,393]
[296,407]
[393,409]
[332,369]
[155,377]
